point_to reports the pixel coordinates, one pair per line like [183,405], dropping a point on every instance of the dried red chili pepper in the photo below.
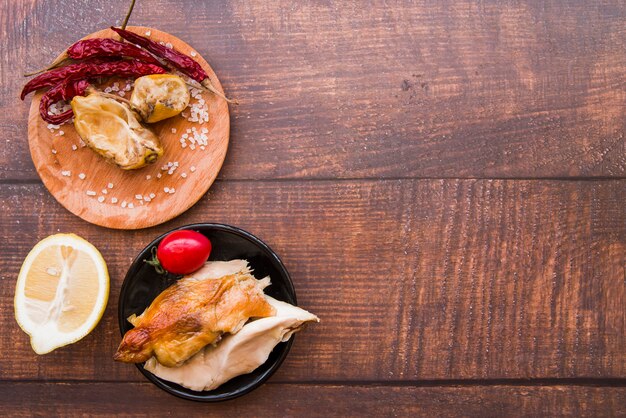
[100,48]
[63,91]
[106,47]
[91,69]
[58,75]
[182,62]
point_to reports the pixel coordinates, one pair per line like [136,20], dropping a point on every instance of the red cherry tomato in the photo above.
[183,252]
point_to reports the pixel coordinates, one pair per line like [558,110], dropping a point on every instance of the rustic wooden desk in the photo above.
[444,180]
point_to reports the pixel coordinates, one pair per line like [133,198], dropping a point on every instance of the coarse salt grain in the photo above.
[166,189]
[110,185]
[193,53]
[74,147]
[159,175]
[195,93]
[82,176]
[100,199]
[130,205]
[173,130]
[61,133]
[170,167]
[91,193]
[53,151]
[58,108]
[172,190]
[152,195]
[148,177]
[66,173]
[199,112]
[114,200]
[148,33]
[192,168]
[105,191]
[138,197]
[52,271]
[124,204]
[184,175]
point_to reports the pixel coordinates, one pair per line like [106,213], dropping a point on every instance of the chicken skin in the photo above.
[192,313]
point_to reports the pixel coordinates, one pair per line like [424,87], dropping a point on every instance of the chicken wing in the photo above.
[192,313]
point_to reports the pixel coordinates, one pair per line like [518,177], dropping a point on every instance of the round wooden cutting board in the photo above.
[103,194]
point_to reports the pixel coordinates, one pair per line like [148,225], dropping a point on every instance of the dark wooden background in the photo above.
[445,180]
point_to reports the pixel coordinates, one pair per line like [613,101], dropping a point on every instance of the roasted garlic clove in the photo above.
[159,96]
[113,130]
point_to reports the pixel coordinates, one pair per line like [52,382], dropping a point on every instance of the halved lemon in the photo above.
[159,96]
[61,291]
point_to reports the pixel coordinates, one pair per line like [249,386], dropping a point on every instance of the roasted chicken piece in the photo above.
[236,354]
[192,313]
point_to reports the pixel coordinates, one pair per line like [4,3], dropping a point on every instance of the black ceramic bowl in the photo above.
[142,284]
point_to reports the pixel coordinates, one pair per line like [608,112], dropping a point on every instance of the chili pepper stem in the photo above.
[130,10]
[60,59]
[206,84]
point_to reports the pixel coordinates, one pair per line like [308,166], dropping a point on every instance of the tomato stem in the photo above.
[154,262]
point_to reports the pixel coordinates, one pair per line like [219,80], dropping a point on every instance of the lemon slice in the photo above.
[61,291]
[159,96]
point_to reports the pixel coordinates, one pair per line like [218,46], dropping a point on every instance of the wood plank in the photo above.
[394,89]
[431,279]
[280,400]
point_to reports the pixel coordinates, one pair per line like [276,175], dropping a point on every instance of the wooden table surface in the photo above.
[445,181]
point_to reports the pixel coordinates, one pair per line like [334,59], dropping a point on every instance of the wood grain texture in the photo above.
[276,400]
[413,280]
[60,165]
[378,88]
[438,296]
